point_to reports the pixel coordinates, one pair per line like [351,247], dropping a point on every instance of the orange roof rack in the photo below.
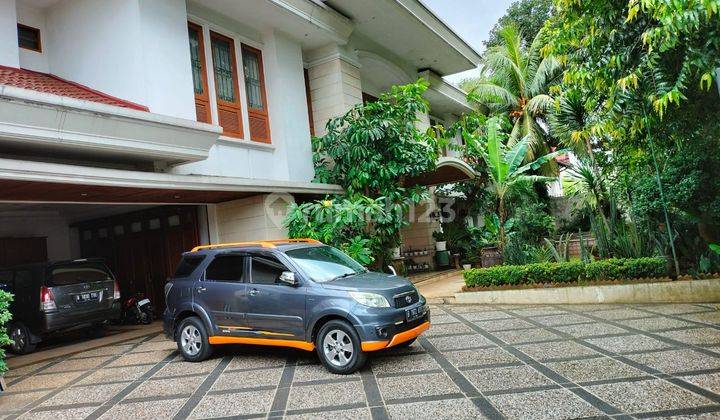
[263,244]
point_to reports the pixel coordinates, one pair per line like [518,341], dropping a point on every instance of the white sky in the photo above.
[471,19]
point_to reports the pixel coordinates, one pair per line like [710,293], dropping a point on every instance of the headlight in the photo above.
[372,300]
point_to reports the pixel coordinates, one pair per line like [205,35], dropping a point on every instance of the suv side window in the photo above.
[188,264]
[226,268]
[266,269]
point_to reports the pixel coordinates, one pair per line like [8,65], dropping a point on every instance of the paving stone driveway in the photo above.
[476,361]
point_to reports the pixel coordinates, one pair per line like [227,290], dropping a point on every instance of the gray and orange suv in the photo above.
[292,293]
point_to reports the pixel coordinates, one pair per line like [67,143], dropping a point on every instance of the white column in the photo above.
[335,87]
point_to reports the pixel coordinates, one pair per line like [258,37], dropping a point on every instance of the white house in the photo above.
[135,129]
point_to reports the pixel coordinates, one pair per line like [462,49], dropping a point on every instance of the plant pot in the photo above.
[467,266]
[440,245]
[396,253]
[490,256]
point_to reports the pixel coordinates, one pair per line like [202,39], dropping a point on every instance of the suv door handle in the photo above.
[254,292]
[200,289]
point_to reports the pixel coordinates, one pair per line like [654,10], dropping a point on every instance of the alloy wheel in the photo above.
[338,348]
[19,339]
[191,340]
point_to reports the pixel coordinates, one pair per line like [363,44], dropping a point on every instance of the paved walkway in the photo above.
[443,287]
[475,361]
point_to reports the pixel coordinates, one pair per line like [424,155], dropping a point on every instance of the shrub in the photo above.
[5,299]
[566,272]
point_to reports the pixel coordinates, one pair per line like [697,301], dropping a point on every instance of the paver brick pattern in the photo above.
[479,361]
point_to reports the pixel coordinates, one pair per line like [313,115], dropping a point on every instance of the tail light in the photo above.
[116,293]
[47,300]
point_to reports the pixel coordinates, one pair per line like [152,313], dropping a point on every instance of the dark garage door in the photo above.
[142,248]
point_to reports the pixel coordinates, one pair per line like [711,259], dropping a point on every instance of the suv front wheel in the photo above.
[192,340]
[338,346]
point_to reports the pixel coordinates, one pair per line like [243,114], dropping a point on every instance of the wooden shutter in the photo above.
[199,73]
[255,92]
[226,85]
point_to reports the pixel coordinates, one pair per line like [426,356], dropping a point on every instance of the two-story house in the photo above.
[135,129]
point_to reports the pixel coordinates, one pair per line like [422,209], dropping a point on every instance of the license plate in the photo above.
[143,302]
[85,297]
[414,313]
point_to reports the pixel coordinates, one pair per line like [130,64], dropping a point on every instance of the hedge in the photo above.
[5,299]
[567,272]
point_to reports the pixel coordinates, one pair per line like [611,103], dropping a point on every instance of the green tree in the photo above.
[528,16]
[505,169]
[518,85]
[370,151]
[638,86]
[5,316]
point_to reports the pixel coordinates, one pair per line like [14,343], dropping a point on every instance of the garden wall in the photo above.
[681,291]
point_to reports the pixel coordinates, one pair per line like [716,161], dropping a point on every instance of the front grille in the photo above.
[402,300]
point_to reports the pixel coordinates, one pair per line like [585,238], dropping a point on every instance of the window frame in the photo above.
[223,105]
[245,270]
[262,114]
[203,98]
[251,259]
[39,37]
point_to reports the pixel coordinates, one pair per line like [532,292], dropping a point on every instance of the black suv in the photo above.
[292,293]
[58,296]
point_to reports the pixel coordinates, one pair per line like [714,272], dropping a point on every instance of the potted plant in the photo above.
[396,253]
[440,240]
[490,253]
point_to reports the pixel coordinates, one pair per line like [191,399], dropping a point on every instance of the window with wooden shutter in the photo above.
[256,98]
[199,73]
[226,85]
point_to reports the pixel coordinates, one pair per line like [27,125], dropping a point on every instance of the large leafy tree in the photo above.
[638,86]
[634,61]
[518,84]
[528,16]
[370,151]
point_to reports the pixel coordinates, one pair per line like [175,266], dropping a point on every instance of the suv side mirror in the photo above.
[288,278]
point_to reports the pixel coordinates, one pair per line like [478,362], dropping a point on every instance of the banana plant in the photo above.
[505,168]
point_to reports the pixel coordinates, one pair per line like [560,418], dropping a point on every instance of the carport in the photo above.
[138,222]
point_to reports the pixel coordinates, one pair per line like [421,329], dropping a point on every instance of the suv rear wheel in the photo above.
[338,346]
[20,335]
[192,340]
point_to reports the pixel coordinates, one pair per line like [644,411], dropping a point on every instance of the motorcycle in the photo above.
[137,310]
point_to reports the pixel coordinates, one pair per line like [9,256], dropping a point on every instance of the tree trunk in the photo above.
[501,228]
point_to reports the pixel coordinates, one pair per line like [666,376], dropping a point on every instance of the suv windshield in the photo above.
[325,263]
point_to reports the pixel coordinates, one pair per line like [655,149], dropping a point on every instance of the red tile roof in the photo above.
[48,83]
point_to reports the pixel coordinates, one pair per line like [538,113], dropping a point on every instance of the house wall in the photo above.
[8,34]
[97,44]
[166,58]
[33,60]
[249,219]
[40,224]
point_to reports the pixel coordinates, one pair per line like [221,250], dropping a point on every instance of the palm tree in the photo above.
[505,169]
[516,80]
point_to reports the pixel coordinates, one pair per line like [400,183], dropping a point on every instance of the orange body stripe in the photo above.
[398,338]
[302,345]
[374,345]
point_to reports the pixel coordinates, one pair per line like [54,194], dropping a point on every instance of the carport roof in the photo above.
[28,181]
